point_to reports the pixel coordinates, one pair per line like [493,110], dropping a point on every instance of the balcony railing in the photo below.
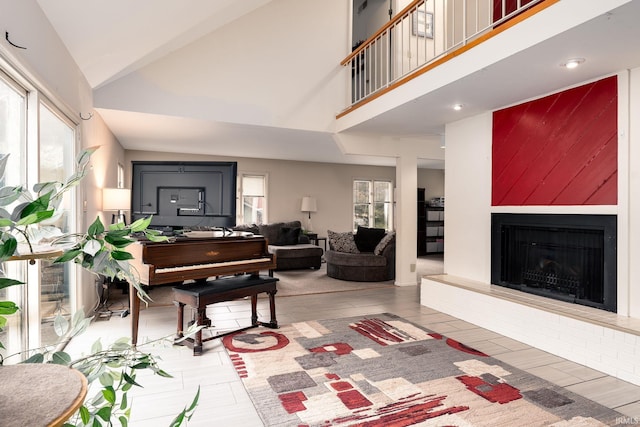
[420,35]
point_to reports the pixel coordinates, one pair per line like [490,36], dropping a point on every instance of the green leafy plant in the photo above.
[27,218]
[30,218]
[102,251]
[114,367]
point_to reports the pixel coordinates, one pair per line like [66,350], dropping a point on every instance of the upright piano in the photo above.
[194,258]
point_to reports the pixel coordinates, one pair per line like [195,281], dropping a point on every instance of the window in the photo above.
[50,141]
[13,142]
[120,173]
[57,143]
[254,199]
[372,204]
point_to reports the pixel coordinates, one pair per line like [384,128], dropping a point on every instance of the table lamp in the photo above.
[116,199]
[309,205]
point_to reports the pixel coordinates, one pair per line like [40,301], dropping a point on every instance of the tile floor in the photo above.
[224,402]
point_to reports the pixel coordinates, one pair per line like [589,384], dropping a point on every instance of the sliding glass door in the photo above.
[41,144]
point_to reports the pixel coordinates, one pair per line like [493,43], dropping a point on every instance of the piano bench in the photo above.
[200,295]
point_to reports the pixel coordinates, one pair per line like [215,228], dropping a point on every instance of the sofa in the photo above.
[290,246]
[369,260]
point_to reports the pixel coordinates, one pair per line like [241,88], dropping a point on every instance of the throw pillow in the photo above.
[270,231]
[342,242]
[384,243]
[288,236]
[368,238]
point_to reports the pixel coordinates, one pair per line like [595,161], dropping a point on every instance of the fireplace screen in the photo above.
[560,261]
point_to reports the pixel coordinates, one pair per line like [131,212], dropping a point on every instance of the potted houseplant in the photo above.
[27,218]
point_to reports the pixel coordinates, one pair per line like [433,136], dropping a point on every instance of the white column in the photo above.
[406,219]
[628,197]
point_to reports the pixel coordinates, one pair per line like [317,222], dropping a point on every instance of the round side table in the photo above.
[39,394]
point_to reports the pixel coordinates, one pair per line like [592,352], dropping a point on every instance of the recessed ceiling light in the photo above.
[457,107]
[573,63]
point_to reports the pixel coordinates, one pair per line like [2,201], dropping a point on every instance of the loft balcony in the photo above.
[481,54]
[422,35]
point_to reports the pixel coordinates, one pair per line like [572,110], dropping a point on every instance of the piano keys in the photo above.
[189,258]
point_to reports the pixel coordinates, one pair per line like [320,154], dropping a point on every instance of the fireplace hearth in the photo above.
[565,257]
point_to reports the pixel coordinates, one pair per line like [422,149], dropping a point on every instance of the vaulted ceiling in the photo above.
[111,39]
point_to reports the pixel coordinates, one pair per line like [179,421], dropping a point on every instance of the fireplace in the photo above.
[566,257]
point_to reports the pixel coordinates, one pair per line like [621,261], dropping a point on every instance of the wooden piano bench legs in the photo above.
[200,295]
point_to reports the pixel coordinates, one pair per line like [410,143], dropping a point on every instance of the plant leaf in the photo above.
[109,394]
[164,374]
[68,255]
[35,217]
[106,379]
[130,379]
[96,228]
[36,358]
[40,204]
[85,155]
[195,401]
[121,255]
[60,325]
[118,242]
[61,358]
[119,232]
[140,224]
[8,307]
[85,416]
[96,347]
[9,195]
[104,413]
[80,326]
[156,238]
[177,421]
[8,248]
[92,247]
[6,282]
[123,404]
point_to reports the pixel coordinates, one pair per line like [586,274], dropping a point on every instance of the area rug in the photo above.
[382,370]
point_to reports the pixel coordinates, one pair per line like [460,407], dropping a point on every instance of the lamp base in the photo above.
[119,218]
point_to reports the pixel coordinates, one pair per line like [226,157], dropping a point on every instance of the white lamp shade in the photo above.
[116,199]
[308,204]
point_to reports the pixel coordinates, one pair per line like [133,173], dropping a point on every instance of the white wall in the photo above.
[633,193]
[45,58]
[468,198]
[432,180]
[252,72]
[46,63]
[467,227]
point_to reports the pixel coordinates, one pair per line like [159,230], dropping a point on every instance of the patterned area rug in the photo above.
[382,370]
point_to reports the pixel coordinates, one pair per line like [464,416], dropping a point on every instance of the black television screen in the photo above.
[184,194]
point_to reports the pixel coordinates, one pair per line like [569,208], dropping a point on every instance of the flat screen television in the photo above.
[184,194]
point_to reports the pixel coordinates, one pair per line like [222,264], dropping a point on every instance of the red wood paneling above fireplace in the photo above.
[558,150]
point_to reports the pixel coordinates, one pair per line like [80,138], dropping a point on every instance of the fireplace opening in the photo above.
[566,257]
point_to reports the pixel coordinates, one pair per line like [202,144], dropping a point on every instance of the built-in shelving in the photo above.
[434,229]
